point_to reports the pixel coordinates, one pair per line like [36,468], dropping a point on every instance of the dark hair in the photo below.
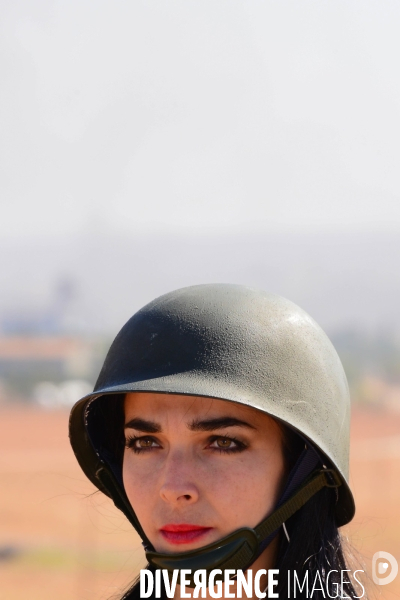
[316,551]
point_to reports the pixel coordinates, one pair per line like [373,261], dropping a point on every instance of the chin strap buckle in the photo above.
[332,478]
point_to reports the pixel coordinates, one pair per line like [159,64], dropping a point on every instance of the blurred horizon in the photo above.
[94,283]
[81,289]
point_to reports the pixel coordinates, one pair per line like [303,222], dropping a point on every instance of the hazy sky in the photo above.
[181,115]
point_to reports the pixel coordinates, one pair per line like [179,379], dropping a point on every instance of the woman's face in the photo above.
[196,469]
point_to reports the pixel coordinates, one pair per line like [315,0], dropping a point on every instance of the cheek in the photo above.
[139,487]
[270,476]
[245,491]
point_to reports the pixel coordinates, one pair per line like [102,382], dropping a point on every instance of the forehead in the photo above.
[187,408]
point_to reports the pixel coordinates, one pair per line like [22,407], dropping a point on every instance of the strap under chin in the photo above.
[305,465]
[315,483]
[120,499]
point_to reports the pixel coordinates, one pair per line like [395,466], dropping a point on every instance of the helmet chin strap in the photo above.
[242,547]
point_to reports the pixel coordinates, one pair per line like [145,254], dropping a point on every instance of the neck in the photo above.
[253,579]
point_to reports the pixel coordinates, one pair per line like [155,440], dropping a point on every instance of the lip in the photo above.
[183,533]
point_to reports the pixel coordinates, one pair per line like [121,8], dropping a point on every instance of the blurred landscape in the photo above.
[56,533]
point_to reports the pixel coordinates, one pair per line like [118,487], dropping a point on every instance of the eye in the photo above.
[144,443]
[226,444]
[141,444]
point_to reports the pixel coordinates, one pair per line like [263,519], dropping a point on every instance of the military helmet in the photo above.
[233,343]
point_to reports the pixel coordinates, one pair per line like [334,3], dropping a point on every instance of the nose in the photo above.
[178,486]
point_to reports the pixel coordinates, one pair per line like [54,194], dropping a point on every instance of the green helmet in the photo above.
[237,344]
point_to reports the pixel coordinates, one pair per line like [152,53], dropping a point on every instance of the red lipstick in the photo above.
[184,533]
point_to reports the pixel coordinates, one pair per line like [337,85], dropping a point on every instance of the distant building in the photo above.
[26,361]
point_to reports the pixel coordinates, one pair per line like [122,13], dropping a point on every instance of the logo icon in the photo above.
[380,565]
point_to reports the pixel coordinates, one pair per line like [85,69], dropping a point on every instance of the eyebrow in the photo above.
[218,423]
[195,425]
[143,425]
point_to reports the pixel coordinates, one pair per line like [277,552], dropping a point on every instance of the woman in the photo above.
[219,425]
